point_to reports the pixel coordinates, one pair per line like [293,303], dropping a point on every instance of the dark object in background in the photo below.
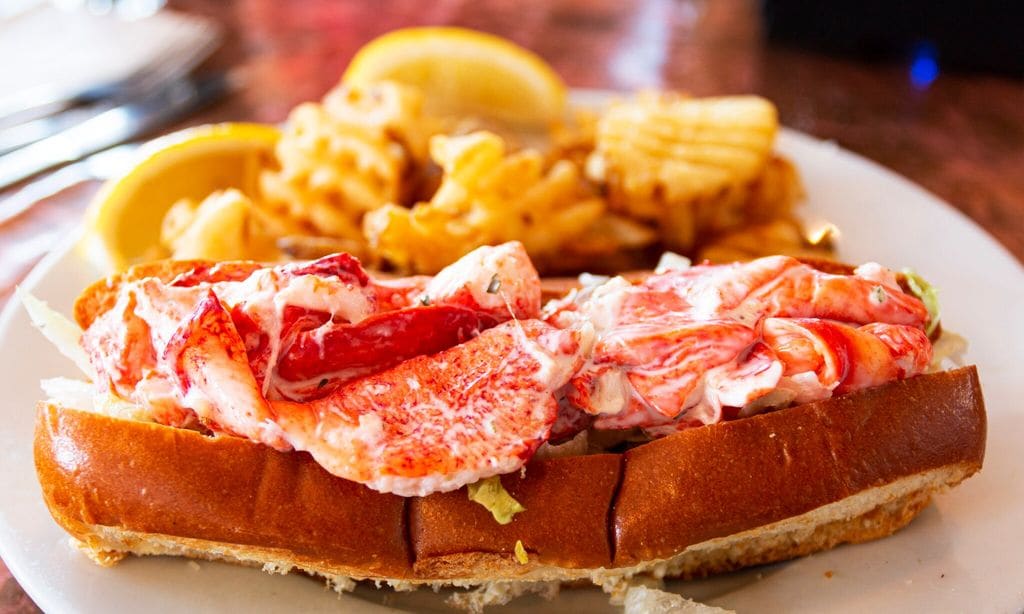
[971,36]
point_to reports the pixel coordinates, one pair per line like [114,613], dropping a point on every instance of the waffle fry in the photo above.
[780,236]
[224,226]
[346,156]
[662,171]
[573,138]
[485,196]
[611,244]
[683,163]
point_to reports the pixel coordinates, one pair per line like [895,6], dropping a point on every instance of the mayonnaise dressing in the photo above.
[686,342]
[484,278]
[267,292]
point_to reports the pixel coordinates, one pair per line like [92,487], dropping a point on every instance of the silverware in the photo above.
[40,104]
[111,127]
[191,40]
[26,133]
[100,166]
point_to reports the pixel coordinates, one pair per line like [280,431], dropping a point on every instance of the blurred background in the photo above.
[934,91]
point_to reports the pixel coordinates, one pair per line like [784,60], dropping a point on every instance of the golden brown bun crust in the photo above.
[697,485]
[700,484]
[144,477]
[737,475]
[565,523]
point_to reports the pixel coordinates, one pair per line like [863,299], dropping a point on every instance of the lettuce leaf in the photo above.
[492,495]
[521,553]
[948,348]
[58,330]
[928,294]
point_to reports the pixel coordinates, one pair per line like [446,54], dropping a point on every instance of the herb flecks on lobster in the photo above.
[310,327]
[435,423]
[425,384]
[683,348]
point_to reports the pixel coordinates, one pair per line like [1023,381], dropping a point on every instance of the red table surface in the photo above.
[962,137]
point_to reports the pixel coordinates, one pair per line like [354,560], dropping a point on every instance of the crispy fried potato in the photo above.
[611,244]
[224,226]
[345,156]
[683,163]
[780,236]
[771,195]
[310,247]
[485,197]
[696,176]
[573,138]
[774,193]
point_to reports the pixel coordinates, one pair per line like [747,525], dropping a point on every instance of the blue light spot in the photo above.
[924,69]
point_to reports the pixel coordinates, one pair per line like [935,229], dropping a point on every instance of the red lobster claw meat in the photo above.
[215,380]
[684,348]
[337,352]
[421,385]
[436,423]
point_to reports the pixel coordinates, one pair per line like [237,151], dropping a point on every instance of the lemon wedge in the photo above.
[464,72]
[123,220]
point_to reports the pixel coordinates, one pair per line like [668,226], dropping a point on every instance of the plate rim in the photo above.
[67,248]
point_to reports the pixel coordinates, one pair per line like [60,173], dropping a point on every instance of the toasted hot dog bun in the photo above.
[704,500]
[781,485]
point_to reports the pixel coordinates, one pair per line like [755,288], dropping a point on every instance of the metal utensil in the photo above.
[20,135]
[110,128]
[100,166]
[162,46]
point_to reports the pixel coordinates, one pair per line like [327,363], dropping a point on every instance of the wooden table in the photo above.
[962,137]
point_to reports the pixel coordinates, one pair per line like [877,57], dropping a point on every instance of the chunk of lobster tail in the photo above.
[484,288]
[435,423]
[688,347]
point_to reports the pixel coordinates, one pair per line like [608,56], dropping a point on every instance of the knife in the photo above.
[26,133]
[101,166]
[111,127]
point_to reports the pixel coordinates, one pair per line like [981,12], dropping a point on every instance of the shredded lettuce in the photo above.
[928,294]
[492,495]
[69,393]
[57,329]
[948,348]
[83,396]
[521,553]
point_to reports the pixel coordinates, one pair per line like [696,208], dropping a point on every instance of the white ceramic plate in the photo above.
[965,553]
